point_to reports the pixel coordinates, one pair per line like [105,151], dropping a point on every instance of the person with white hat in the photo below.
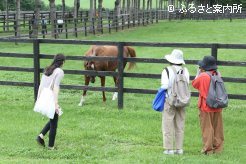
[173,118]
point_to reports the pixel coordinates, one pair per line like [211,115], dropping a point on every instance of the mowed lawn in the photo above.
[100,133]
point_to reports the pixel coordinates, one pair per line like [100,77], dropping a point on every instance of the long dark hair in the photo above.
[58,61]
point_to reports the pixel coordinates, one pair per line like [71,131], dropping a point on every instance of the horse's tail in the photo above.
[132,54]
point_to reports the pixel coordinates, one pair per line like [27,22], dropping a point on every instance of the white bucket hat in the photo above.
[176,57]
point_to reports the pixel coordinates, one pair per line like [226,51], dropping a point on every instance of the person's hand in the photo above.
[198,71]
[57,108]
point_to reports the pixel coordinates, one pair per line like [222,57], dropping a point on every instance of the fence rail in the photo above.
[36,56]
[83,25]
[108,21]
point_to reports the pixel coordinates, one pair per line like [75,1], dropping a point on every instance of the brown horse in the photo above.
[108,51]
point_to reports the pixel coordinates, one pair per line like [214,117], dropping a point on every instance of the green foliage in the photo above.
[26,5]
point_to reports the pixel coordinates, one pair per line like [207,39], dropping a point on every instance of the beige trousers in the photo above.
[173,121]
[212,131]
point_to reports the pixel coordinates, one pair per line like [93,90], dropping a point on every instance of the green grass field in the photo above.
[98,132]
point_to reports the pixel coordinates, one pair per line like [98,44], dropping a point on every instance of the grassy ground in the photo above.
[98,132]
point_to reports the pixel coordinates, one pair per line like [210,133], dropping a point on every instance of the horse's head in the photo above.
[90,65]
[132,53]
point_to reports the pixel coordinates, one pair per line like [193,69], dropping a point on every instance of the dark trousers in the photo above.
[44,29]
[51,126]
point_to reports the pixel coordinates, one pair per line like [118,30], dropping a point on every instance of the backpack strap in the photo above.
[212,74]
[167,72]
[209,73]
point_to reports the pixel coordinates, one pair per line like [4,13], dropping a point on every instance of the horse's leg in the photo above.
[115,95]
[103,85]
[82,100]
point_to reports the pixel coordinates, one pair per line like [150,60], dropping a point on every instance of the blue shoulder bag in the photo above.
[158,102]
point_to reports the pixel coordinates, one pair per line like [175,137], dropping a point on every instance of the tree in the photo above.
[36,20]
[91,14]
[2,3]
[117,7]
[17,19]
[53,18]
[63,8]
[99,15]
[25,5]
[149,4]
[76,8]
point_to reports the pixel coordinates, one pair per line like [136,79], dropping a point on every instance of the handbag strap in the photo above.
[53,81]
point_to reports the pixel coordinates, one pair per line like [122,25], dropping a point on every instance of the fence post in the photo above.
[128,21]
[66,28]
[214,51]
[24,20]
[156,16]
[85,20]
[4,23]
[56,29]
[15,27]
[36,63]
[116,23]
[109,25]
[101,23]
[120,75]
[30,28]
[122,22]
[93,26]
[75,27]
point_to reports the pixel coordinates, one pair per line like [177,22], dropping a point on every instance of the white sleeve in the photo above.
[164,79]
[59,78]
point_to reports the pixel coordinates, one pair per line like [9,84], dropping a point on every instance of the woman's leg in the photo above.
[207,131]
[168,126]
[179,125]
[40,138]
[53,127]
[218,132]
[46,128]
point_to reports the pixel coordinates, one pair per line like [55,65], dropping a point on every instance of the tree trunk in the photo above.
[53,18]
[63,9]
[116,12]
[99,24]
[95,8]
[117,7]
[91,14]
[123,6]
[7,15]
[36,20]
[76,9]
[17,19]
[148,4]
[128,5]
